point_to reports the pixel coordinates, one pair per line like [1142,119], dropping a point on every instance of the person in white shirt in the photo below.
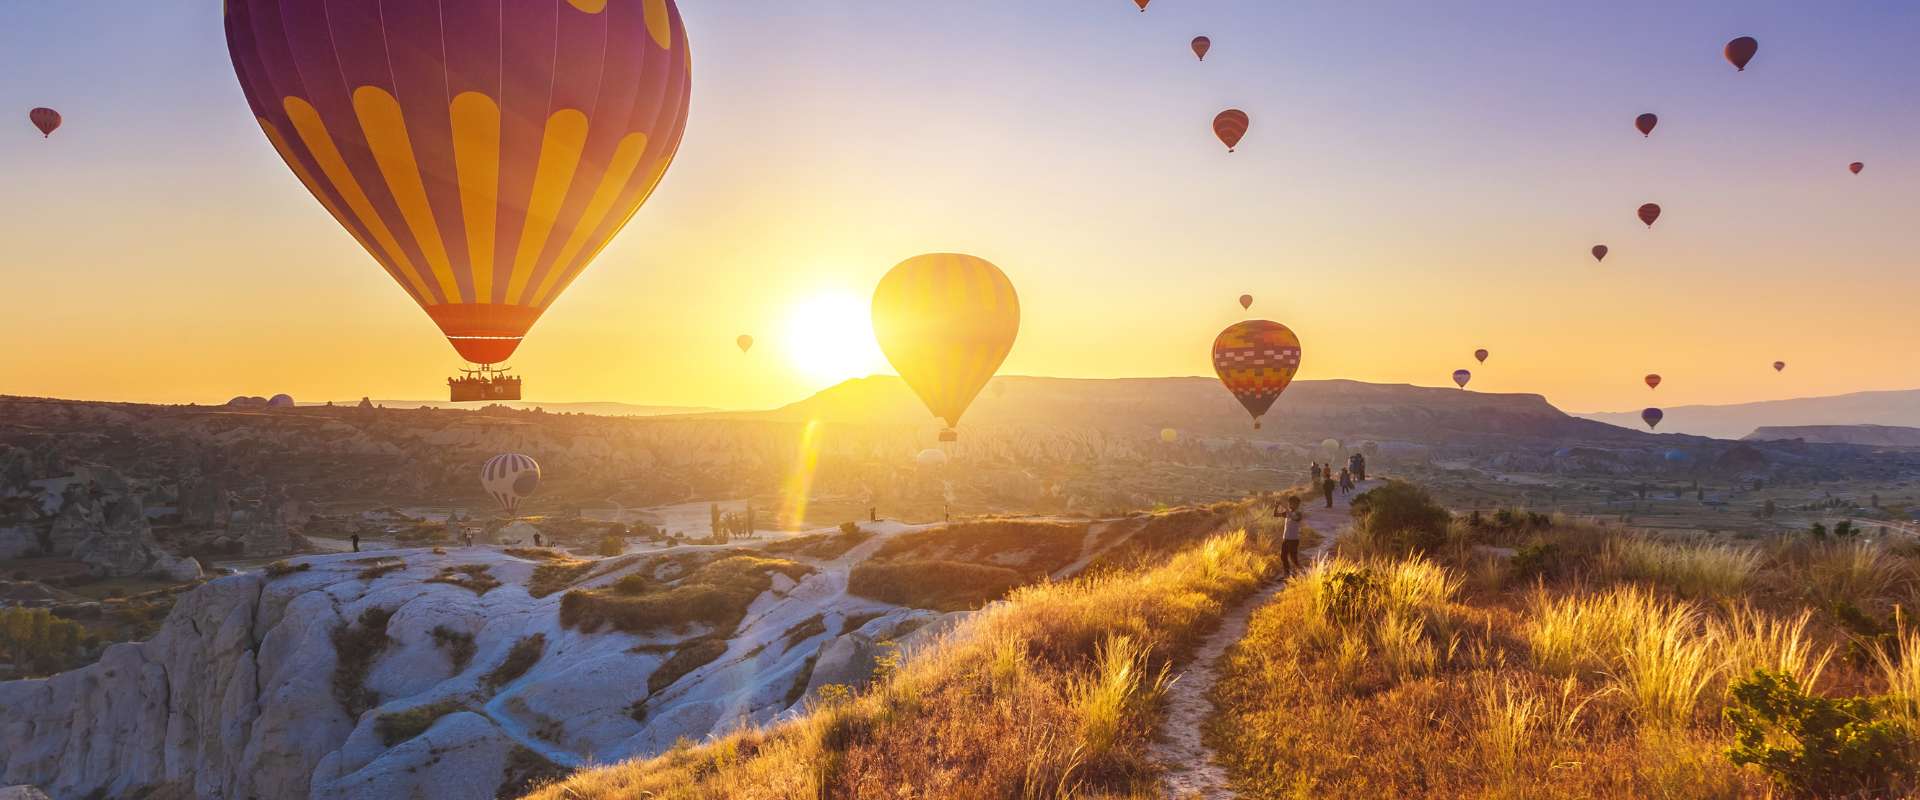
[1290,536]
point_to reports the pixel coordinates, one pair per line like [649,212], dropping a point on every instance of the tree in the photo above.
[1844,528]
[714,511]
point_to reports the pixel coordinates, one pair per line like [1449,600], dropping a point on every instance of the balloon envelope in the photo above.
[1230,125]
[1168,435]
[1201,45]
[1652,417]
[1855,167]
[46,119]
[510,478]
[1142,4]
[1644,123]
[1649,213]
[1481,354]
[1256,360]
[1740,51]
[931,457]
[1653,381]
[482,153]
[1779,365]
[945,322]
[1599,252]
[1461,376]
[1246,301]
[745,342]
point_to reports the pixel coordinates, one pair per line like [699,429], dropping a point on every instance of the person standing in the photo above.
[1346,481]
[1290,536]
[1314,479]
[356,542]
[1328,484]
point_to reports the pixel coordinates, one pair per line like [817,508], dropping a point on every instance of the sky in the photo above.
[1421,179]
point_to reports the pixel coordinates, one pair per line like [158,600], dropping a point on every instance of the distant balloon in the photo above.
[1246,301]
[1461,376]
[1649,213]
[46,119]
[745,342]
[1142,4]
[1201,45]
[1599,252]
[1645,122]
[946,321]
[1779,365]
[931,457]
[1169,435]
[1678,456]
[1230,125]
[1330,445]
[1481,354]
[1652,417]
[510,478]
[1653,381]
[1256,360]
[1856,167]
[1740,51]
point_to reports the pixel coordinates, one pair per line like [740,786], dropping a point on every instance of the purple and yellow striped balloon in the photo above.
[482,151]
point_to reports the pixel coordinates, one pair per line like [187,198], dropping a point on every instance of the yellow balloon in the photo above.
[946,322]
[1169,435]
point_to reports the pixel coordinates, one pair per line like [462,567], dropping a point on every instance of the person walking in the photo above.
[1290,536]
[1314,474]
[1346,481]
[1327,485]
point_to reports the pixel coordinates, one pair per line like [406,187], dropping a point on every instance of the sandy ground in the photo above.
[1191,771]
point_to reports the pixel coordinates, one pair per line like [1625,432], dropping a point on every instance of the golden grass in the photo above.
[1048,695]
[1694,570]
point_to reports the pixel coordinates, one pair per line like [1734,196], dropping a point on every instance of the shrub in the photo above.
[1535,559]
[717,594]
[283,567]
[611,545]
[40,643]
[400,726]
[689,656]
[355,647]
[521,657]
[1706,570]
[458,644]
[382,567]
[1816,746]
[849,529]
[935,584]
[556,575]
[1399,518]
[475,578]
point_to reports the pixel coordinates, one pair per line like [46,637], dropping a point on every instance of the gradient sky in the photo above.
[1421,179]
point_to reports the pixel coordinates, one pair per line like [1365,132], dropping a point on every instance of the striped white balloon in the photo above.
[510,478]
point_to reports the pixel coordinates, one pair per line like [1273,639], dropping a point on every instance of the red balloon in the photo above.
[1230,125]
[1653,381]
[1649,213]
[1856,167]
[1740,51]
[1142,4]
[1779,365]
[1256,360]
[47,119]
[1201,45]
[1246,301]
[1645,123]
[1599,252]
[1481,354]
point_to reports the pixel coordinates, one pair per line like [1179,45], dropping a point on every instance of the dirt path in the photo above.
[1191,771]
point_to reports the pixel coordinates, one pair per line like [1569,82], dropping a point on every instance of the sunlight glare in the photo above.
[829,337]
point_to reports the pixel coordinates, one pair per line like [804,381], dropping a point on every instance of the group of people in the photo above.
[1322,477]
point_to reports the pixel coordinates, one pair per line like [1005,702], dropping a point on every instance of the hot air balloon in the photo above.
[1779,365]
[1246,301]
[1740,51]
[1481,354]
[1645,122]
[745,342]
[1142,4]
[1201,45]
[1856,166]
[946,321]
[1599,252]
[1330,446]
[1169,435]
[510,478]
[1653,381]
[46,119]
[1652,417]
[1649,213]
[1230,125]
[1255,360]
[482,153]
[1461,376]
[931,457]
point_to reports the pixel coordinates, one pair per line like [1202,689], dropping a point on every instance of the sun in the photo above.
[829,337]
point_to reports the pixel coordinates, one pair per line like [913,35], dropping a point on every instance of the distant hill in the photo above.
[1893,408]
[1199,406]
[595,408]
[1869,435]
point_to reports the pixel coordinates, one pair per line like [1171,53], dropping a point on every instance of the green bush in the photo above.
[400,726]
[524,654]
[1816,746]
[458,644]
[355,647]
[40,643]
[611,545]
[1401,518]
[1535,559]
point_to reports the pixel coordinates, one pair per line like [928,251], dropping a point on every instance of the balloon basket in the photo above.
[483,384]
[948,435]
[1256,424]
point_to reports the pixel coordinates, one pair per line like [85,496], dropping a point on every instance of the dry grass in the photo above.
[476,578]
[931,583]
[399,726]
[521,657]
[1693,570]
[1049,695]
[555,575]
[716,595]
